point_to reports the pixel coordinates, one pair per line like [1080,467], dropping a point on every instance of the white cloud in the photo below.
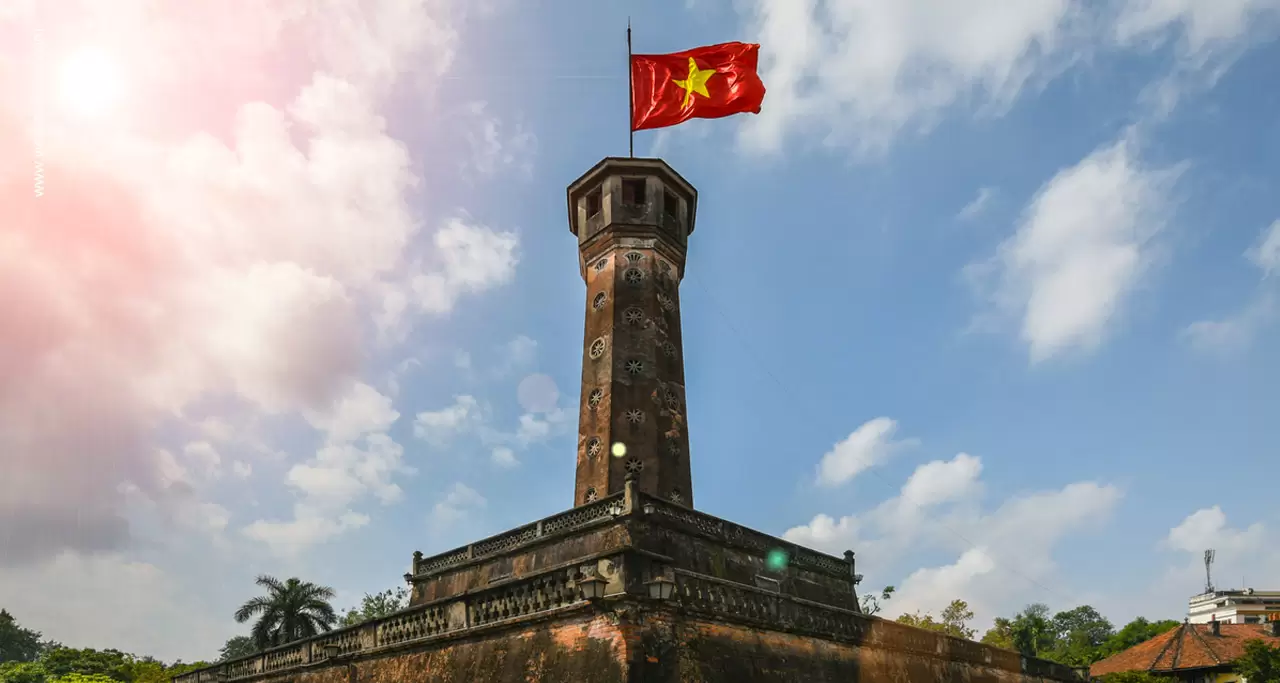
[1236,331]
[978,205]
[458,503]
[204,458]
[154,274]
[858,72]
[1081,248]
[241,469]
[439,426]
[1002,557]
[1266,253]
[358,458]
[939,482]
[1203,26]
[1251,553]
[468,259]
[309,527]
[360,411]
[504,457]
[496,146]
[473,259]
[868,446]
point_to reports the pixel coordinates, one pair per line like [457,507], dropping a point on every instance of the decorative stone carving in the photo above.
[597,348]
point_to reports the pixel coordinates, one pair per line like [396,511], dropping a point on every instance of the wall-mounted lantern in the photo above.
[661,587]
[591,587]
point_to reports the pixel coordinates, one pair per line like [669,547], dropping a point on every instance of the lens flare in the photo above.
[89,83]
[776,560]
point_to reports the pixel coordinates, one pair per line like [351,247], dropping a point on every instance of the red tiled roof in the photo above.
[1190,646]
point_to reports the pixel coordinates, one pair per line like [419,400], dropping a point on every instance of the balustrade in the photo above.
[540,593]
[577,518]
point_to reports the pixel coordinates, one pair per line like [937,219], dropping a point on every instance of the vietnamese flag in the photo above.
[702,83]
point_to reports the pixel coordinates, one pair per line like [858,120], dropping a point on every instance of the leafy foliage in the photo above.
[380,605]
[237,647]
[17,644]
[1260,663]
[1139,630]
[113,664]
[1075,637]
[871,604]
[1080,634]
[22,672]
[69,665]
[954,620]
[83,678]
[291,610]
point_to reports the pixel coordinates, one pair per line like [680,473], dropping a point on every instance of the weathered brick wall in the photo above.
[636,643]
[587,648]
[688,649]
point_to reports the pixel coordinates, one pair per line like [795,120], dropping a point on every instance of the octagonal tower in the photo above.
[633,218]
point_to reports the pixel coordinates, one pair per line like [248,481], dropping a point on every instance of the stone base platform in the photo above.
[574,598]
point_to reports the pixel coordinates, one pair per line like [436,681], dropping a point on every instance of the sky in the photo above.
[987,293]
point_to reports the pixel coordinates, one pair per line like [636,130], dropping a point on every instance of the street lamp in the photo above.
[591,587]
[332,650]
[661,587]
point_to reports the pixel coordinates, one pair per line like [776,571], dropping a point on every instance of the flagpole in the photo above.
[631,99]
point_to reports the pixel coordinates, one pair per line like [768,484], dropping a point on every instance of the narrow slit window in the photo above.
[670,205]
[633,191]
[593,203]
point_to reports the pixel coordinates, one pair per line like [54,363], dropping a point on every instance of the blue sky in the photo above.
[987,296]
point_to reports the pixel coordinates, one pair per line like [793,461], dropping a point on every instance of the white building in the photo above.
[1247,606]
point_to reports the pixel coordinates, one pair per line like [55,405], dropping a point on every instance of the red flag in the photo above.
[702,83]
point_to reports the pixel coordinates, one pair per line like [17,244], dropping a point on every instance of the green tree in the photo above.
[237,647]
[1080,635]
[291,610]
[1139,630]
[82,678]
[870,603]
[17,644]
[23,672]
[1000,634]
[954,621]
[1260,663]
[1032,632]
[376,606]
[62,661]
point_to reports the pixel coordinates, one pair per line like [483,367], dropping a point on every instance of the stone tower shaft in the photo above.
[633,218]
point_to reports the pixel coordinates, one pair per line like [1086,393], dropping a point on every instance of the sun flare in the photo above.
[89,83]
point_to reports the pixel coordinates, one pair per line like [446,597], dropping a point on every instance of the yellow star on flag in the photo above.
[695,83]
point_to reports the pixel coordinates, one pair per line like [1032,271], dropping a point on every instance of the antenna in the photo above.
[1208,574]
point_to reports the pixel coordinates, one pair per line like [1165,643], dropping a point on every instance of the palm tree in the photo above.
[289,611]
